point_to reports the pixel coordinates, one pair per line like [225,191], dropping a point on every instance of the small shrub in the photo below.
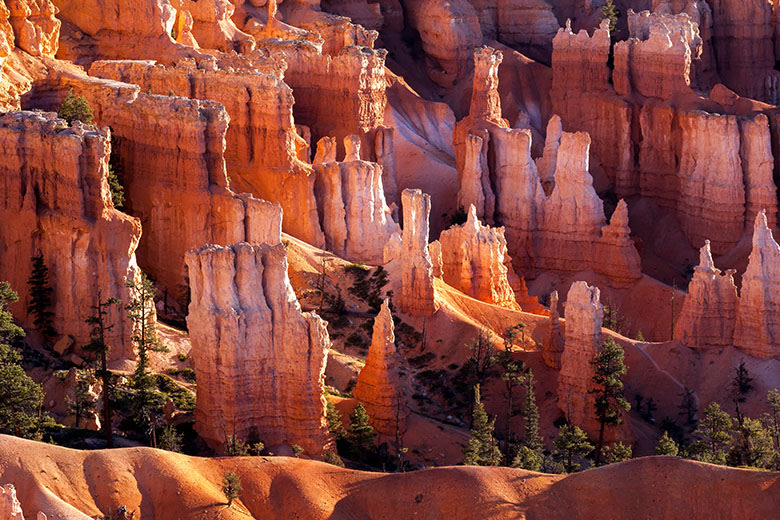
[75,108]
[231,487]
[182,356]
[331,457]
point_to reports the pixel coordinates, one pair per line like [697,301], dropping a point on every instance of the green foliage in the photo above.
[618,452]
[334,422]
[115,173]
[639,336]
[714,435]
[611,13]
[482,449]
[181,356]
[140,310]
[482,359]
[571,443]
[771,419]
[667,446]
[75,108]
[20,397]
[82,403]
[187,374]
[531,414]
[528,458]
[608,372]
[231,487]
[170,439]
[361,434]
[331,457]
[297,450]
[40,297]
[236,447]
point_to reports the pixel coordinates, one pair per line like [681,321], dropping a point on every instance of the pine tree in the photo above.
[570,443]
[75,108]
[618,453]
[482,449]
[140,310]
[667,446]
[512,376]
[714,432]
[361,434]
[610,402]
[170,439]
[334,421]
[611,13]
[97,345]
[741,386]
[40,297]
[231,487]
[531,414]
[82,403]
[771,419]
[20,397]
[482,358]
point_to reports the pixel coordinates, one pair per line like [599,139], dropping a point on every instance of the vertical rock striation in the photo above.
[417,293]
[553,345]
[259,360]
[379,384]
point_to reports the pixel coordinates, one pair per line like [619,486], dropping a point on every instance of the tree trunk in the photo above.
[600,444]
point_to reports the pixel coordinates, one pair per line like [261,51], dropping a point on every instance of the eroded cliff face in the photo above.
[552,348]
[55,192]
[417,293]
[758,314]
[351,201]
[475,261]
[259,360]
[708,314]
[380,385]
[170,149]
[10,508]
[262,145]
[584,314]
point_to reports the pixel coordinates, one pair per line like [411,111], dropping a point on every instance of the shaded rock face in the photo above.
[259,360]
[262,145]
[758,315]
[417,293]
[351,201]
[10,508]
[584,315]
[55,191]
[170,149]
[213,27]
[379,384]
[526,25]
[552,348]
[474,260]
[709,312]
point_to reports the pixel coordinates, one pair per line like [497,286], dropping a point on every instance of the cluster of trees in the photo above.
[572,444]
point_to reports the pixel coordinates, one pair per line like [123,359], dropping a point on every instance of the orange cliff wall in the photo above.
[170,149]
[55,192]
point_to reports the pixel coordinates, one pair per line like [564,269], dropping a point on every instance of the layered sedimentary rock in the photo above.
[213,27]
[262,144]
[757,166]
[35,26]
[545,165]
[56,194]
[656,60]
[708,314]
[137,29]
[758,314]
[711,170]
[742,37]
[259,360]
[379,385]
[526,25]
[417,293]
[475,259]
[552,348]
[450,30]
[351,200]
[170,149]
[584,315]
[10,508]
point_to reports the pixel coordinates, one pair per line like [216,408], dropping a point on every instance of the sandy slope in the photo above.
[72,484]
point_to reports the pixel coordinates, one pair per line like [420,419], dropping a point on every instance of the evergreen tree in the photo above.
[40,297]
[482,449]
[771,419]
[20,397]
[760,451]
[741,386]
[75,108]
[688,407]
[512,376]
[361,434]
[570,443]
[531,413]
[97,345]
[231,487]
[331,457]
[611,13]
[667,446]
[334,421]
[140,310]
[529,459]
[482,358]
[618,453]
[170,439]
[610,402]
[714,432]
[82,403]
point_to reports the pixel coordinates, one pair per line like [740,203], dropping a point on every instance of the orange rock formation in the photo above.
[259,360]
[417,293]
[380,386]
